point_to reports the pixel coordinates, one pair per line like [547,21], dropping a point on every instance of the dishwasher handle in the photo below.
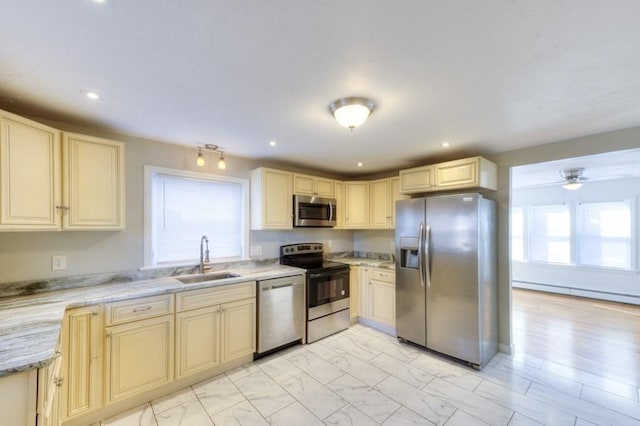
[278,283]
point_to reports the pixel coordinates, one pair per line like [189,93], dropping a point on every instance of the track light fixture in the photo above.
[222,164]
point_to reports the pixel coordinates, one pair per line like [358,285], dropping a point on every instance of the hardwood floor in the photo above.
[598,337]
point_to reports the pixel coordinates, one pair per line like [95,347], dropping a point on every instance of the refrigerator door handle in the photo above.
[420,253]
[427,254]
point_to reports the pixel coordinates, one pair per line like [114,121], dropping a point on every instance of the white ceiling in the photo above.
[488,76]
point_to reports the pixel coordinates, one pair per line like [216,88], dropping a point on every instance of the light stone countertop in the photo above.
[30,324]
[363,261]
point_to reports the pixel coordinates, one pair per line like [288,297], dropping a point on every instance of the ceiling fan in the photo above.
[572,178]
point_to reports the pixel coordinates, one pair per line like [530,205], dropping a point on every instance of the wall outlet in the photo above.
[329,244]
[58,263]
[392,245]
[255,251]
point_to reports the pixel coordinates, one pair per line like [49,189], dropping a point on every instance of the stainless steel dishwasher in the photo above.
[281,310]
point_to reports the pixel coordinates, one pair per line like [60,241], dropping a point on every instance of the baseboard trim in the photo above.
[572,291]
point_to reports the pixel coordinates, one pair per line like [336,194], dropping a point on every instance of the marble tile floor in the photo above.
[364,377]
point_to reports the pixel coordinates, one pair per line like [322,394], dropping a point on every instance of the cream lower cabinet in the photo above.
[82,336]
[139,356]
[378,295]
[354,293]
[49,384]
[214,326]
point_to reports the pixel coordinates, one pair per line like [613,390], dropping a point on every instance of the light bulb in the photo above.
[221,163]
[200,159]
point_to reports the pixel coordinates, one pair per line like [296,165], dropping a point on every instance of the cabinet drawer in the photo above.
[194,299]
[135,309]
[383,275]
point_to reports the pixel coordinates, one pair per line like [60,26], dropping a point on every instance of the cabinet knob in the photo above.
[58,381]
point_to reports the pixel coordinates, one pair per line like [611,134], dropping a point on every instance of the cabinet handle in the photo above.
[144,308]
[58,381]
[62,207]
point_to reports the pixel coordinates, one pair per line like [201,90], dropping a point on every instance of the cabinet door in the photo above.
[416,180]
[357,214]
[303,184]
[82,348]
[363,281]
[238,329]
[48,398]
[379,207]
[197,340]
[30,177]
[354,292]
[458,174]
[395,195]
[382,302]
[271,199]
[139,357]
[339,191]
[93,183]
[324,187]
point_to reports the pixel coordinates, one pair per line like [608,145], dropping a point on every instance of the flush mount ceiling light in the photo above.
[572,178]
[91,95]
[352,112]
[222,164]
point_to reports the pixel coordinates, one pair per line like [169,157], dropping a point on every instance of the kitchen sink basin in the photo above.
[207,277]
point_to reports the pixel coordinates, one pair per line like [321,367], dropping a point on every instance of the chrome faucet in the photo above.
[204,254]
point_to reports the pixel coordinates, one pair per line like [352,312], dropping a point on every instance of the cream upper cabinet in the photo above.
[49,183]
[82,361]
[340,196]
[357,212]
[93,183]
[475,172]
[380,217]
[312,185]
[394,195]
[30,175]
[467,173]
[271,199]
[417,180]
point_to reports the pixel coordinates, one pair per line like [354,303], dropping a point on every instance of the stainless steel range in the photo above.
[327,289]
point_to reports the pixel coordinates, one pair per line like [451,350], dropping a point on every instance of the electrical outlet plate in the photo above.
[255,250]
[58,263]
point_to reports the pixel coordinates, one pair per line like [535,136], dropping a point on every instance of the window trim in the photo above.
[149,173]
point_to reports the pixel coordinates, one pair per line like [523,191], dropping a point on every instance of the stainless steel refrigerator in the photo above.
[446,275]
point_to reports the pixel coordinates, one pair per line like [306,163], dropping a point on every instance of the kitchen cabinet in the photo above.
[417,180]
[30,175]
[93,183]
[271,199]
[357,211]
[354,293]
[474,173]
[18,399]
[340,196]
[312,185]
[382,297]
[363,284]
[214,326]
[82,333]
[384,194]
[139,353]
[48,399]
[51,183]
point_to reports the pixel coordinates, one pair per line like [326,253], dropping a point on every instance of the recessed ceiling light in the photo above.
[272,143]
[360,164]
[91,95]
[446,144]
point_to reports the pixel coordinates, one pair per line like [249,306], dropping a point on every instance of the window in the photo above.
[550,234]
[604,234]
[517,234]
[181,207]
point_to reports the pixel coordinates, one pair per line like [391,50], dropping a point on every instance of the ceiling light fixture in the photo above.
[222,164]
[272,143]
[352,112]
[91,95]
[359,164]
[572,178]
[200,160]
[446,144]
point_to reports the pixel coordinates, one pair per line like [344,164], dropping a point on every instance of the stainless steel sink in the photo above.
[207,277]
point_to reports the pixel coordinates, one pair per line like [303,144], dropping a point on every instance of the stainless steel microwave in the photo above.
[314,212]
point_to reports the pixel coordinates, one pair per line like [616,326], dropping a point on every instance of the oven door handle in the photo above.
[327,273]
